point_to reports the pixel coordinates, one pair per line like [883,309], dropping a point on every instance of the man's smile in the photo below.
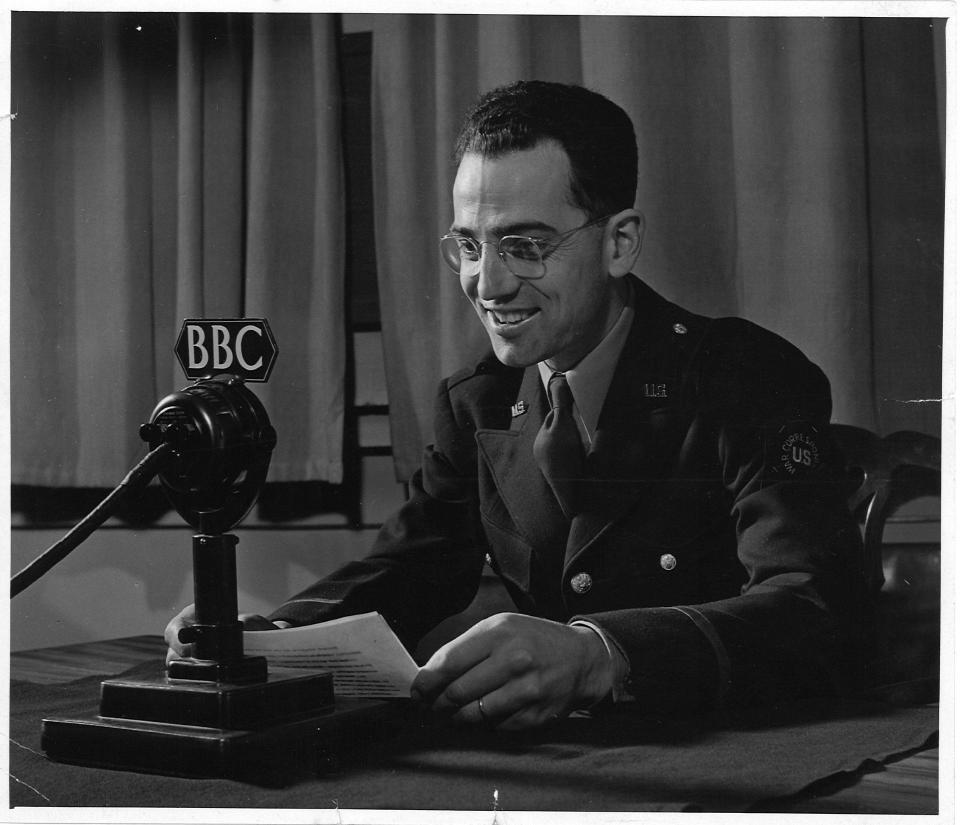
[506,318]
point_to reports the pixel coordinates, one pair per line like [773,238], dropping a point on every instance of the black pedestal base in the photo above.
[282,696]
[268,748]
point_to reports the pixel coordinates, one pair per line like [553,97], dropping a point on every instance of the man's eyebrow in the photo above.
[519,228]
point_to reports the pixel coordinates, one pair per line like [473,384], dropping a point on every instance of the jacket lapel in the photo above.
[509,456]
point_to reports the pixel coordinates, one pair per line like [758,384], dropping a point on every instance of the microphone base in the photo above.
[210,730]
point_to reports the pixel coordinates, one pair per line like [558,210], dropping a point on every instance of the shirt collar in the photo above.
[590,380]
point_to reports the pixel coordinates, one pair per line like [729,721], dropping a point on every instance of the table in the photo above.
[859,758]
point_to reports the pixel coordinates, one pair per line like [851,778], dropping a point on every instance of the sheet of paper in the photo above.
[362,652]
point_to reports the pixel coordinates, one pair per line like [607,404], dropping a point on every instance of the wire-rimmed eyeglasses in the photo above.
[522,255]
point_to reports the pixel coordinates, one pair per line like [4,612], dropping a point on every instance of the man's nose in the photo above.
[494,281]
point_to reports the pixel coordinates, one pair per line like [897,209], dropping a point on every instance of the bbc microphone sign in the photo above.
[243,347]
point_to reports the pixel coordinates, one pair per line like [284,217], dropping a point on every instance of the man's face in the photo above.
[560,317]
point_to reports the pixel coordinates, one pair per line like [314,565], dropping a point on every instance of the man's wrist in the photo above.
[620,666]
[600,667]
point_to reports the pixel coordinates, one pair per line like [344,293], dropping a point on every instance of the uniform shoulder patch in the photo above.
[795,449]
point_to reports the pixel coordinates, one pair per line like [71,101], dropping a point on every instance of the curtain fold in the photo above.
[760,145]
[169,166]
[416,112]
[800,196]
[295,238]
[78,206]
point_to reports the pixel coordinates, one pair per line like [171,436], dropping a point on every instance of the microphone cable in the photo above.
[139,476]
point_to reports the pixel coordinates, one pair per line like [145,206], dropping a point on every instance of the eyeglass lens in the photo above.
[521,255]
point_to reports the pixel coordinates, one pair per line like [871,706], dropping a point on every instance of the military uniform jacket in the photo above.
[713,546]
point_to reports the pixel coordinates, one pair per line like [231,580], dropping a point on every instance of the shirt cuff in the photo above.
[621,666]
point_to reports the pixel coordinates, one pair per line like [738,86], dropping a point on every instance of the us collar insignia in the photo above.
[518,409]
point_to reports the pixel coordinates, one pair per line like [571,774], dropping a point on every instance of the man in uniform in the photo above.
[654,488]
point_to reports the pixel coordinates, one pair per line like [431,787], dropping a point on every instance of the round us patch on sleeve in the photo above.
[795,450]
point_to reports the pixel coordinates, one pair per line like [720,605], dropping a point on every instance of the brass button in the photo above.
[581,583]
[668,561]
[680,329]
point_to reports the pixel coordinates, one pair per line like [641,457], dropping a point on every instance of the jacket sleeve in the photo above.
[793,630]
[426,561]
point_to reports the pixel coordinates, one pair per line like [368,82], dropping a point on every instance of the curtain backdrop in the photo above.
[167,166]
[171,166]
[790,172]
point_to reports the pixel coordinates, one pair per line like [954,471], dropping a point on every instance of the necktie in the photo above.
[558,449]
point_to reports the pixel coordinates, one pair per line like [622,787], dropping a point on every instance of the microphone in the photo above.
[210,443]
[221,440]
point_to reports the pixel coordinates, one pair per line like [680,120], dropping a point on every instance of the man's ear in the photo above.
[624,241]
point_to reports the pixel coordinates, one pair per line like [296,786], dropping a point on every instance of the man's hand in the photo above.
[186,617]
[526,670]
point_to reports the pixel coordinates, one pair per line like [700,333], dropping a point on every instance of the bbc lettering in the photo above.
[222,353]
[242,347]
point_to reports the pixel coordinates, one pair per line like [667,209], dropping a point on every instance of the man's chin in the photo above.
[512,356]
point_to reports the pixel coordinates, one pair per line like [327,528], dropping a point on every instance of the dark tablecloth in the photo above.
[616,761]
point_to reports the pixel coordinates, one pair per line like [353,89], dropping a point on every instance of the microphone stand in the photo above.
[218,713]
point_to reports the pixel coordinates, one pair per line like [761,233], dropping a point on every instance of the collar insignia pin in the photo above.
[518,409]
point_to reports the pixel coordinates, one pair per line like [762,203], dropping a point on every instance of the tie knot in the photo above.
[559,389]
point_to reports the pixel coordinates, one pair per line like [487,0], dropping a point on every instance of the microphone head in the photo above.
[222,441]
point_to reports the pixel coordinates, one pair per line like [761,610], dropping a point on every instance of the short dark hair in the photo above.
[596,134]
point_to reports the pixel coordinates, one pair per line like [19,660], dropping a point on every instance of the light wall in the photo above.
[130,582]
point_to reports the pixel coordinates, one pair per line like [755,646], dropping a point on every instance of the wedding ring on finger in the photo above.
[483,714]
